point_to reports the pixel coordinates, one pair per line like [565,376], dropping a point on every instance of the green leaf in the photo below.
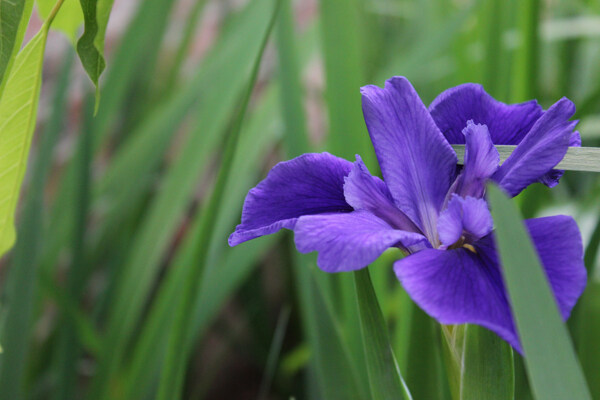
[90,46]
[172,377]
[334,371]
[341,26]
[18,110]
[229,66]
[384,374]
[423,362]
[552,367]
[479,364]
[589,332]
[14,17]
[67,20]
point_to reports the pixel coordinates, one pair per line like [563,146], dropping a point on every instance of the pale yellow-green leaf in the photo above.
[68,20]
[18,109]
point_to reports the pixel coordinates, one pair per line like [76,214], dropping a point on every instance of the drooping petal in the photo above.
[558,242]
[366,192]
[351,241]
[552,178]
[468,217]
[481,161]
[543,147]
[416,161]
[507,123]
[309,184]
[459,286]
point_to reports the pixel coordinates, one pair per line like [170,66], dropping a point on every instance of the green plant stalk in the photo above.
[295,139]
[385,379]
[69,346]
[183,48]
[171,381]
[525,68]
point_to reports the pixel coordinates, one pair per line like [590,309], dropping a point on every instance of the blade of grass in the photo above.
[341,27]
[526,59]
[576,159]
[137,45]
[234,264]
[18,111]
[335,373]
[171,382]
[487,366]
[384,374]
[274,352]
[423,359]
[552,367]
[295,139]
[69,346]
[167,209]
[589,331]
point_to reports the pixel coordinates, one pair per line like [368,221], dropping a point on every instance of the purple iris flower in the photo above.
[427,205]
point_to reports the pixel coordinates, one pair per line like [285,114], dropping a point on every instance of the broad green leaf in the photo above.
[69,18]
[385,379]
[552,367]
[479,364]
[14,17]
[18,111]
[90,46]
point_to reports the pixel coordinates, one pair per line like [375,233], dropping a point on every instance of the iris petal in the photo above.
[460,286]
[366,192]
[507,123]
[468,217]
[351,241]
[309,184]
[481,161]
[416,161]
[543,147]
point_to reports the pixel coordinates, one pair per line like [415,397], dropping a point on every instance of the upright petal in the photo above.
[508,123]
[416,161]
[366,192]
[351,241]
[309,184]
[468,217]
[481,161]
[543,147]
[551,178]
[459,286]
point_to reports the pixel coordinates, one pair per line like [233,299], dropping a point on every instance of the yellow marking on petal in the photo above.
[469,247]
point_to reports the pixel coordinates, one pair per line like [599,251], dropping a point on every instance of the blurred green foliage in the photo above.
[111,219]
